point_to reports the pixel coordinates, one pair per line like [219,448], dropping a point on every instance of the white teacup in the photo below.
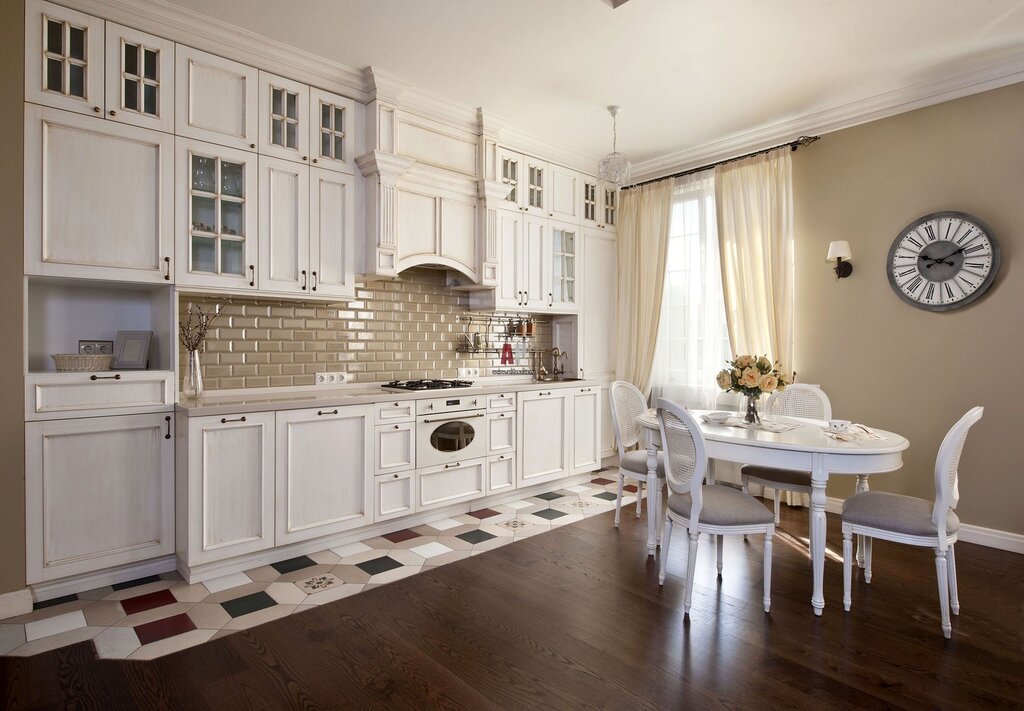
[839,425]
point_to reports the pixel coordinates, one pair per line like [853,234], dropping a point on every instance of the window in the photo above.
[693,339]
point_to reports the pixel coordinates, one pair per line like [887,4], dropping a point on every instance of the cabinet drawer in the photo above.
[501,433]
[451,483]
[394,447]
[394,411]
[501,472]
[501,402]
[58,395]
[393,495]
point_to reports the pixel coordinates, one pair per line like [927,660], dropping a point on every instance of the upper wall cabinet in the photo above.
[215,99]
[528,182]
[75,63]
[600,204]
[564,203]
[98,198]
[333,131]
[284,118]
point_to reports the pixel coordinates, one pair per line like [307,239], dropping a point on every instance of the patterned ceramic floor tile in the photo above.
[578,489]
[292,564]
[350,574]
[475,537]
[335,593]
[55,641]
[184,592]
[116,642]
[390,576]
[484,513]
[444,524]
[263,574]
[325,557]
[351,549]
[208,616]
[141,603]
[54,601]
[54,625]
[11,637]
[521,504]
[431,550]
[248,604]
[379,565]
[137,582]
[287,593]
[258,617]
[162,629]
[226,582]
[304,573]
[104,613]
[314,585]
[157,613]
[232,593]
[398,536]
[172,644]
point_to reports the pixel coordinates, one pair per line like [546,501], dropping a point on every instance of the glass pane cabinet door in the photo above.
[563,267]
[284,111]
[611,206]
[333,120]
[590,201]
[139,78]
[536,196]
[64,58]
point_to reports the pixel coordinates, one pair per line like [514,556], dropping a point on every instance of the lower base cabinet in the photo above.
[451,483]
[99,493]
[586,417]
[545,424]
[501,473]
[394,495]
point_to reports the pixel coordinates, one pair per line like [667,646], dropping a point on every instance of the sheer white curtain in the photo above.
[693,337]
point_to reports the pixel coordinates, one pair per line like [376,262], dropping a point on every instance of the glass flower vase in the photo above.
[192,387]
[752,416]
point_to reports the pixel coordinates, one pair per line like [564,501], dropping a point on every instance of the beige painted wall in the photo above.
[12,411]
[884,362]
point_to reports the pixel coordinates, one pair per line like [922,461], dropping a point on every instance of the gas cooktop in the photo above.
[426,384]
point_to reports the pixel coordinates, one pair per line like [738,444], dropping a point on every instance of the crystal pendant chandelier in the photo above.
[614,167]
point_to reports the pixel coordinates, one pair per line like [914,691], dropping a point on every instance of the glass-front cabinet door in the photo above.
[63,58]
[610,206]
[216,215]
[140,78]
[509,169]
[333,130]
[592,197]
[536,186]
[563,263]
[284,118]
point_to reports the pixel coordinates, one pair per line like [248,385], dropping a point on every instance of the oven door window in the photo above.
[452,436]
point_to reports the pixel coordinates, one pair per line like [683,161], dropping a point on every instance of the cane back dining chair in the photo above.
[628,403]
[797,400]
[701,508]
[914,521]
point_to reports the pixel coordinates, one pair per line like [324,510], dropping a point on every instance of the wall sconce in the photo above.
[840,251]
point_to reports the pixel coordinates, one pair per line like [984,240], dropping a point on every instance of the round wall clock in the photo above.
[943,261]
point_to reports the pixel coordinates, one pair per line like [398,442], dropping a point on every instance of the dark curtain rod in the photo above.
[802,141]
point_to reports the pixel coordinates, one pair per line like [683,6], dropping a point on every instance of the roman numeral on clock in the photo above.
[975,248]
[910,238]
[914,283]
[931,232]
[929,293]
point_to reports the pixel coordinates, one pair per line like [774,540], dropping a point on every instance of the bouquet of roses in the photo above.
[753,376]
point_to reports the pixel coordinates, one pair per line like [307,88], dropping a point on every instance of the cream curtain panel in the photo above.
[754,201]
[642,244]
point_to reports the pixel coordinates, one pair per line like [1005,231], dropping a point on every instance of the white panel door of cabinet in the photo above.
[216,218]
[545,433]
[284,118]
[590,201]
[501,402]
[586,418]
[394,495]
[284,227]
[63,58]
[598,306]
[98,198]
[230,486]
[99,493]
[508,293]
[458,232]
[215,99]
[501,472]
[501,433]
[451,483]
[609,206]
[533,256]
[561,263]
[536,187]
[324,471]
[334,123]
[510,172]
[566,194]
[140,78]
[332,233]
[394,448]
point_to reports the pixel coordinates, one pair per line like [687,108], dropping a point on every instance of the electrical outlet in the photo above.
[469,372]
[326,378]
[342,378]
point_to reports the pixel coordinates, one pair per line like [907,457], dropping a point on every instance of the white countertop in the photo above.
[265,399]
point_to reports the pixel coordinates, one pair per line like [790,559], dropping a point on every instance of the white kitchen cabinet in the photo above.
[566,194]
[535,246]
[226,497]
[608,446]
[324,471]
[545,434]
[537,187]
[394,447]
[216,215]
[501,433]
[284,118]
[501,402]
[139,83]
[501,472]
[510,168]
[600,204]
[98,198]
[215,100]
[64,395]
[284,227]
[598,306]
[394,495]
[394,411]
[451,483]
[586,417]
[332,233]
[560,267]
[334,123]
[99,493]
[63,58]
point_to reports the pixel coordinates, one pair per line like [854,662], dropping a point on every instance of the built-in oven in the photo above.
[450,429]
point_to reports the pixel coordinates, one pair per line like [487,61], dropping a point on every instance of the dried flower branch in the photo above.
[194,327]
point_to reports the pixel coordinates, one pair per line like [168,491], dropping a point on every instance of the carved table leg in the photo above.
[819,477]
[862,485]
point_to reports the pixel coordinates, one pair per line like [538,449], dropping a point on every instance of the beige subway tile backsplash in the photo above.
[392,330]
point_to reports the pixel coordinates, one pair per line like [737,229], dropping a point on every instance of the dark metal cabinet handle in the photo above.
[321,413]
[167,263]
[314,281]
[168,421]
[551,299]
[502,414]
[543,394]
[303,279]
[398,427]
[453,466]
[105,377]
[584,390]
[502,456]
[225,420]
[252,273]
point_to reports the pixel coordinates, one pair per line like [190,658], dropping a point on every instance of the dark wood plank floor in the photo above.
[575,619]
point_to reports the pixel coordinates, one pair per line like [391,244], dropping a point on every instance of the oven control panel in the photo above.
[441,405]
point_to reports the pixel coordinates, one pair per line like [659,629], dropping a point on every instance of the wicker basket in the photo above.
[78,363]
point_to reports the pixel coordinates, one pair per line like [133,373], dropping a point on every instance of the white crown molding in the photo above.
[872,108]
[384,86]
[511,137]
[194,29]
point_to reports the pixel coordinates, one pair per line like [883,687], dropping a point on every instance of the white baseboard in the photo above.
[16,602]
[991,537]
[109,576]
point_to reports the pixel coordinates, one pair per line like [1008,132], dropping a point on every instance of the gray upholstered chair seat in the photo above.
[723,506]
[788,477]
[895,512]
[637,462]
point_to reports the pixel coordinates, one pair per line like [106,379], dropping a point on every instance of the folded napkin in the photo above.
[856,433]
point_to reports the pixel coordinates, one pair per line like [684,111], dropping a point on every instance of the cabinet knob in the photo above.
[315,161]
[252,145]
[396,427]
[113,113]
[97,109]
[305,157]
[396,476]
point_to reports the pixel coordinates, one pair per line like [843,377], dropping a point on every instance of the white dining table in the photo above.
[805,448]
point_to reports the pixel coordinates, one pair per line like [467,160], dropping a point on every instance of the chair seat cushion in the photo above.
[723,506]
[637,462]
[896,513]
[782,477]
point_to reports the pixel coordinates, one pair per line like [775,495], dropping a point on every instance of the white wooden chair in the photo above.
[628,403]
[914,521]
[701,508]
[796,400]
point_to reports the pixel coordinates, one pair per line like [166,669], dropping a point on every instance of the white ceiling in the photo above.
[688,73]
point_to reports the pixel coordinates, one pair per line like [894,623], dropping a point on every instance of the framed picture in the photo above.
[95,347]
[131,350]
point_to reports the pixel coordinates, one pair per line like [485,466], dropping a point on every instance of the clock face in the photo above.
[943,261]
